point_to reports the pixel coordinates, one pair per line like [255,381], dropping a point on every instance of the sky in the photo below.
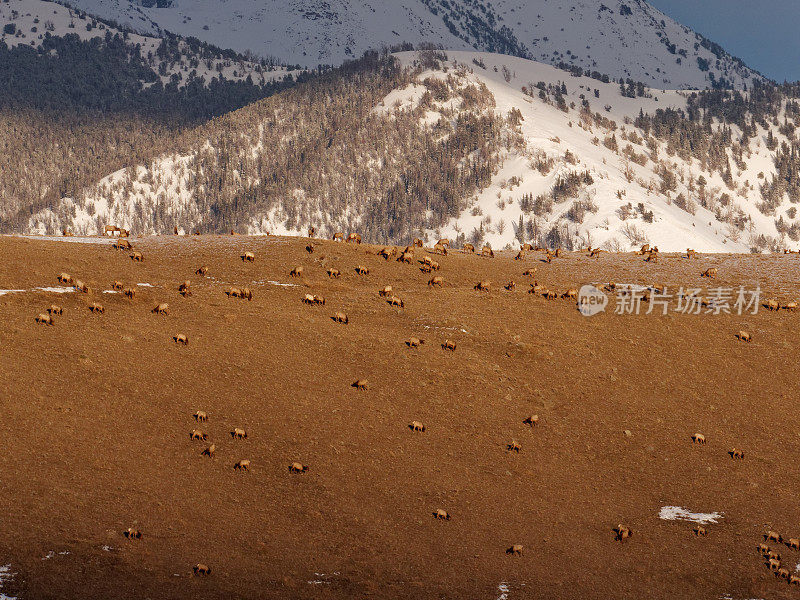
[763,33]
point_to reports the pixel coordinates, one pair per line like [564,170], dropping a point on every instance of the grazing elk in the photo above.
[359,384]
[55,309]
[80,286]
[469,248]
[245,293]
[790,306]
[117,285]
[202,271]
[772,554]
[97,308]
[132,534]
[414,342]
[340,317]
[242,465]
[182,339]
[310,248]
[513,447]
[209,451]
[533,420]
[571,294]
[441,514]
[773,564]
[510,286]
[312,232]
[196,434]
[65,278]
[354,237]
[645,249]
[200,416]
[794,580]
[417,243]
[201,569]
[238,433]
[386,254]
[449,345]
[691,253]
[482,286]
[122,245]
[44,319]
[362,270]
[137,256]
[529,272]
[395,301]
[773,536]
[184,289]
[515,550]
[793,543]
[783,573]
[297,467]
[762,549]
[699,438]
[700,531]
[440,249]
[406,257]
[435,280]
[129,293]
[623,533]
[248,256]
[334,273]
[709,273]
[161,309]
[744,336]
[771,305]
[520,255]
[736,453]
[595,253]
[487,251]
[416,426]
[385,292]
[338,236]
[296,272]
[549,295]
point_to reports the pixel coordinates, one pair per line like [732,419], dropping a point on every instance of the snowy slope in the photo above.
[620,38]
[33,20]
[622,206]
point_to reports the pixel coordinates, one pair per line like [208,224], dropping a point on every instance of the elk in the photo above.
[161,309]
[137,256]
[773,536]
[469,248]
[201,569]
[794,580]
[406,257]
[435,280]
[96,307]
[196,434]
[773,564]
[233,292]
[645,249]
[443,242]
[238,434]
[571,294]
[482,286]
[338,236]
[533,420]
[385,253]
[762,549]
[772,305]
[202,271]
[434,265]
[129,293]
[623,533]
[297,467]
[310,248]
[414,342]
[417,243]
[200,416]
[736,453]
[549,295]
[359,384]
[773,554]
[529,272]
[182,339]
[595,253]
[334,273]
[132,534]
[122,245]
[362,270]
[691,253]
[184,288]
[65,278]
[744,336]
[44,319]
[790,306]
[651,257]
[248,256]
[449,345]
[709,273]
[515,550]
[520,255]
[296,272]
[117,285]
[55,309]
[699,438]
[312,231]
[416,426]
[354,237]
[242,465]
[510,286]
[385,292]
[513,446]
[426,269]
[80,286]
[793,543]
[440,249]
[340,317]
[441,514]
[487,251]
[395,301]
[783,573]
[209,451]
[309,299]
[246,293]
[700,531]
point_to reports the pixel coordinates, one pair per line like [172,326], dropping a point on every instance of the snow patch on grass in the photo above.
[503,589]
[676,513]
[6,576]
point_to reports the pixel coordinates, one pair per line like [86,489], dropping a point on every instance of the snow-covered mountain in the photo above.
[571,168]
[619,38]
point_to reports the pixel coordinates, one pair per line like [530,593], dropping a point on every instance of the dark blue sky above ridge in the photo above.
[765,34]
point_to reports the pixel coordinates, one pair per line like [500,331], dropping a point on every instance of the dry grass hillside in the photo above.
[97,412]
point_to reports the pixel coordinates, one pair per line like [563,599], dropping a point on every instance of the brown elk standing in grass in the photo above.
[772,305]
[312,232]
[209,451]
[354,237]
[385,253]
[417,243]
[200,416]
[137,256]
[296,272]
[744,336]
[469,248]
[44,319]
[436,280]
[362,270]
[338,236]
[406,257]
[416,426]
[310,248]
[533,420]
[334,273]
[595,253]
[793,543]
[395,301]
[129,293]
[441,514]
[510,286]
[623,533]
[699,438]
[201,569]
[65,278]
[239,434]
[182,339]
[645,249]
[773,536]
[246,294]
[97,308]
[487,251]
[184,289]
[80,286]
[196,434]
[117,285]
[55,309]
[700,531]
[202,271]
[440,249]
[359,384]
[297,467]
[691,253]
[515,550]
[340,317]
[385,292]
[132,534]
[248,256]
[790,306]
[526,247]
[571,294]
[482,286]
[520,255]
[449,345]
[161,309]
[549,295]
[414,342]
[242,465]
[709,273]
[736,454]
[513,447]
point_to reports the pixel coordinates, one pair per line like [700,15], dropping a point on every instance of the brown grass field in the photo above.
[96,411]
